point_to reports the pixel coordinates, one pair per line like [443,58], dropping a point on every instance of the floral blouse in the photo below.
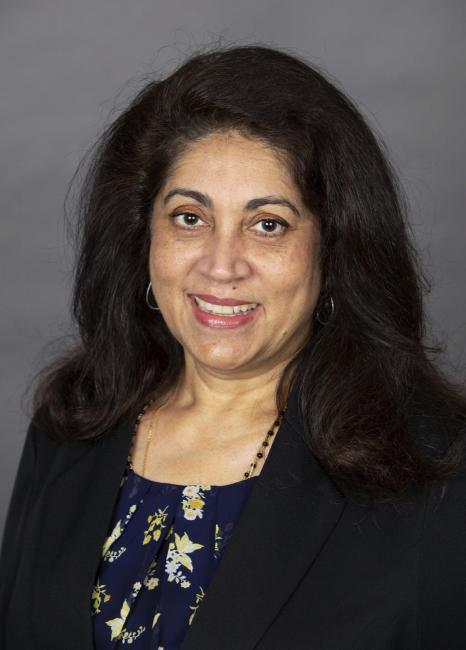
[165,543]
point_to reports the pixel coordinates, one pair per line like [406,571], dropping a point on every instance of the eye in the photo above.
[187,219]
[272,223]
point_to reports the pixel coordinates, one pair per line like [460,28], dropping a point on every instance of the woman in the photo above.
[250,446]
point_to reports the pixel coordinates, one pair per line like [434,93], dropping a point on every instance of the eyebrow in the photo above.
[252,204]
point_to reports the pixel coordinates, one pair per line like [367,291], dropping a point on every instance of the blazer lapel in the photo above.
[77,505]
[287,519]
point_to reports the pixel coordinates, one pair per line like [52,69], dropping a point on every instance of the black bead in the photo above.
[265,443]
[246,474]
[259,454]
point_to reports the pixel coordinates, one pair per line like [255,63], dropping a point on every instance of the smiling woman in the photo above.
[250,446]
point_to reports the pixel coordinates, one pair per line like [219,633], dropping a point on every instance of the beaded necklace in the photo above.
[259,454]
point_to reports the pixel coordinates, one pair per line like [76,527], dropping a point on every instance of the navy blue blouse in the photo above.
[165,542]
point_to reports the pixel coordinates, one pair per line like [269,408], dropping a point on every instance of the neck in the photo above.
[215,393]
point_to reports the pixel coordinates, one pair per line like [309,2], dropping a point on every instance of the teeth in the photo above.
[223,309]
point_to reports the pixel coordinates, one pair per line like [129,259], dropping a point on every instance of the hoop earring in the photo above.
[149,287]
[324,308]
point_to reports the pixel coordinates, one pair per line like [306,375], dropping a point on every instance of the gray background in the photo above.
[68,67]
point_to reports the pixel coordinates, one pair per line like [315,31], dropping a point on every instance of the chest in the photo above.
[187,450]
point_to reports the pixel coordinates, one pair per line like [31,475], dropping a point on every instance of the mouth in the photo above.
[223,310]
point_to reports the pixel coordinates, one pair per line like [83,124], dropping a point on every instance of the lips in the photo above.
[222,320]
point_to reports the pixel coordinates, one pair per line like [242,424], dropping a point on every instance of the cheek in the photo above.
[297,286]
[166,262]
[160,262]
[296,272]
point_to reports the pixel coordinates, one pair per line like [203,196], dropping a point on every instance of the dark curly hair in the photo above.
[363,373]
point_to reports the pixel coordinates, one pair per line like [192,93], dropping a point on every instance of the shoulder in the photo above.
[442,560]
[436,431]
[45,445]
[51,453]
[441,436]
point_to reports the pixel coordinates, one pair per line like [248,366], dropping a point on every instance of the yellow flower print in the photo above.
[99,592]
[116,624]
[185,545]
[127,636]
[217,539]
[115,534]
[149,581]
[154,530]
[193,502]
[118,529]
[178,555]
[199,597]
[111,556]
[155,619]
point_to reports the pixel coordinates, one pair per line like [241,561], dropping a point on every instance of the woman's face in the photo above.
[218,232]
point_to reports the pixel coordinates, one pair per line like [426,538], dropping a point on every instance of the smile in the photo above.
[223,310]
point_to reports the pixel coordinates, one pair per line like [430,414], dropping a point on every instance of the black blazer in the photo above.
[306,569]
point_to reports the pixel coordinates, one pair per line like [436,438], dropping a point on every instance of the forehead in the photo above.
[224,158]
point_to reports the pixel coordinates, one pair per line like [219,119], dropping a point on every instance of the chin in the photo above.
[222,361]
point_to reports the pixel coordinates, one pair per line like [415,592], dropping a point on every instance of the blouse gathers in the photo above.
[165,542]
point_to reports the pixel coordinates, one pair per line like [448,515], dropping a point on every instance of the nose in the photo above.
[224,258]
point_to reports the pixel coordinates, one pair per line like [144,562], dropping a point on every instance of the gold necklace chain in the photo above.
[248,474]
